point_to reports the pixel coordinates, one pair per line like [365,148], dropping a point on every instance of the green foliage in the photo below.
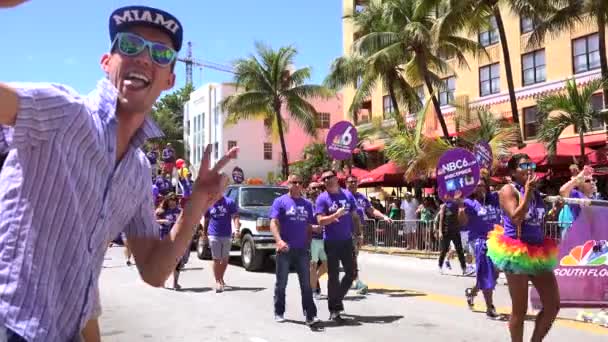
[314,159]
[570,108]
[168,113]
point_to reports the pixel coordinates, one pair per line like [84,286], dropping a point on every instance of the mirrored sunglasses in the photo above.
[130,44]
[527,166]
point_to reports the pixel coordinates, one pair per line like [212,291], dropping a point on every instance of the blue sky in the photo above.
[62,41]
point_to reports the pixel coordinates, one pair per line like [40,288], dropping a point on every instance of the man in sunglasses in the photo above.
[103,179]
[336,210]
[291,223]
[583,185]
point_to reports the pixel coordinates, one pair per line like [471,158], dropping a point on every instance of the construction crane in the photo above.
[191,61]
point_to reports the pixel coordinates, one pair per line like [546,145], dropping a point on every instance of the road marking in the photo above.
[460,302]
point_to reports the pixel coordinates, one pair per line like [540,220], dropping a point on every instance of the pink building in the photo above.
[296,140]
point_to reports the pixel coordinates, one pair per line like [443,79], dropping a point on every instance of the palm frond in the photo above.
[310,91]
[303,112]
[551,129]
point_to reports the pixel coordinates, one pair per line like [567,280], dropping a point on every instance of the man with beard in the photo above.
[103,180]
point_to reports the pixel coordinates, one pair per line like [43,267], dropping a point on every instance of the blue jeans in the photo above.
[340,251]
[300,259]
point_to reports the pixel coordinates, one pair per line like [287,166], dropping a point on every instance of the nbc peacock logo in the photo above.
[591,253]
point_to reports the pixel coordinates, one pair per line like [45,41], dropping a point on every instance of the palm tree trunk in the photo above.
[444,127]
[581,137]
[509,72]
[603,59]
[285,163]
[398,117]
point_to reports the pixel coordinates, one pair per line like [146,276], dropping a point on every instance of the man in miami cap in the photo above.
[51,249]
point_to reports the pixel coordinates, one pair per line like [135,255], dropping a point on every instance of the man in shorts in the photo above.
[217,230]
[318,258]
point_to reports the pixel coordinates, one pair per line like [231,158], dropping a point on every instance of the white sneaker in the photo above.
[279,318]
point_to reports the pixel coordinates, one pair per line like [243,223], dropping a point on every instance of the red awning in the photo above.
[565,153]
[373,147]
[388,174]
[593,140]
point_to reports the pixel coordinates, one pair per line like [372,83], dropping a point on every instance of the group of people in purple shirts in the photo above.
[326,231]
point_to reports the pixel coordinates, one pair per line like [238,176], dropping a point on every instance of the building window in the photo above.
[446,93]
[420,93]
[322,120]
[490,37]
[489,79]
[586,53]
[531,122]
[267,151]
[533,67]
[597,103]
[231,144]
[527,24]
[387,106]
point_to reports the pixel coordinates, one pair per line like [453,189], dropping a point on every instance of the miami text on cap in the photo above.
[125,17]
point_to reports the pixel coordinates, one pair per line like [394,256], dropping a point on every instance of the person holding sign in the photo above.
[521,251]
[481,213]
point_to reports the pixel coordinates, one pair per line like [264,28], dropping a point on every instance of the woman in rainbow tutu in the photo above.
[521,251]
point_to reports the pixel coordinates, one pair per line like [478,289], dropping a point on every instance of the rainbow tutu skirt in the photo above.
[515,256]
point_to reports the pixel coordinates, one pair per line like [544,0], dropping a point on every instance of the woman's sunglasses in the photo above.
[527,166]
[325,179]
[130,44]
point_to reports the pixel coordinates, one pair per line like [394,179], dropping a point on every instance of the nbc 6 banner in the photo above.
[341,140]
[582,266]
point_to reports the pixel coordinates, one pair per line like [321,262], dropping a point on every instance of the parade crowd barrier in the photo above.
[422,237]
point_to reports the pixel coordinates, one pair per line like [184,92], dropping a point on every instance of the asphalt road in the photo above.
[408,301]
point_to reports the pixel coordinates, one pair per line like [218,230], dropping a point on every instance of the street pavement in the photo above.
[408,301]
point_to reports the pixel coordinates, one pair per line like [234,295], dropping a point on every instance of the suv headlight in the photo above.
[262,224]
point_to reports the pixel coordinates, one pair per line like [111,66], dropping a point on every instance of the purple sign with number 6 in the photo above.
[341,140]
[457,170]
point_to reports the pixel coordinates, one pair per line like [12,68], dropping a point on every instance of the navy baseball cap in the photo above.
[124,18]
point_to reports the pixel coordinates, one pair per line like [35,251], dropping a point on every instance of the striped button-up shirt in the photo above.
[63,196]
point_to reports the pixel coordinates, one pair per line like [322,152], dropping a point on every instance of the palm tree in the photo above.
[418,32]
[364,69]
[268,85]
[574,108]
[419,154]
[481,12]
[565,14]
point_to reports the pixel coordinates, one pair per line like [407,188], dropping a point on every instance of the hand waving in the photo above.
[10,3]
[211,182]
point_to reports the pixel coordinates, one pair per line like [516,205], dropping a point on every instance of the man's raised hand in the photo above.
[11,3]
[212,181]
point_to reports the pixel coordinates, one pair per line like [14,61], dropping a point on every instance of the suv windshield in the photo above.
[260,197]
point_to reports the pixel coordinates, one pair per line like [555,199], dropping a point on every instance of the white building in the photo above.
[204,124]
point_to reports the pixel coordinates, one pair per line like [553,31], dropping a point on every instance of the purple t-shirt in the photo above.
[575,209]
[219,216]
[155,191]
[187,186]
[294,215]
[362,204]
[482,216]
[171,215]
[328,204]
